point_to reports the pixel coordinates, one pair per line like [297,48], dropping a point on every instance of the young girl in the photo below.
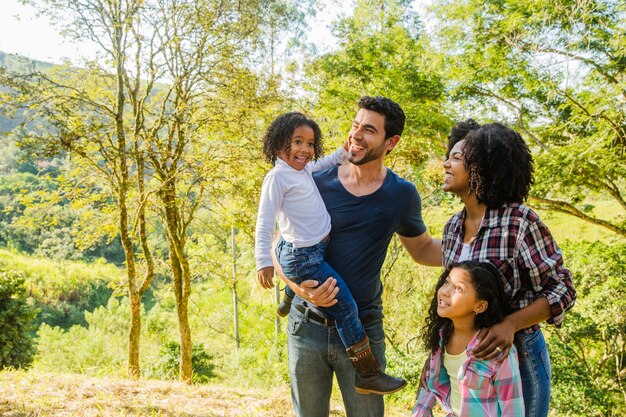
[289,194]
[468,297]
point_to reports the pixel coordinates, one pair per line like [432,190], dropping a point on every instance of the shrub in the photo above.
[168,363]
[16,321]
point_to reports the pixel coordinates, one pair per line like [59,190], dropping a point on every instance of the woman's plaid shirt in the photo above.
[516,241]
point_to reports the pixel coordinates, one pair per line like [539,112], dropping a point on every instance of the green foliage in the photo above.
[63,291]
[97,349]
[16,321]
[589,352]
[381,52]
[555,72]
[168,362]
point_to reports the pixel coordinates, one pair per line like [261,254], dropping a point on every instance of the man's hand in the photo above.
[320,296]
[494,341]
[266,277]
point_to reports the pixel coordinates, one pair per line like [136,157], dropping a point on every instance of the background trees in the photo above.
[150,157]
[557,73]
[134,118]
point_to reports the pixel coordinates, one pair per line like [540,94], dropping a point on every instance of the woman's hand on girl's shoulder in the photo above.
[495,342]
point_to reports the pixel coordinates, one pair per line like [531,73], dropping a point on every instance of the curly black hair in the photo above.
[499,165]
[458,132]
[394,115]
[488,285]
[278,135]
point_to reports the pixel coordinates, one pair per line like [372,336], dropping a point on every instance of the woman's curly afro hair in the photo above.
[499,165]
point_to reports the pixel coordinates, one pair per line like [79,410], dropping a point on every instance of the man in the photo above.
[367,203]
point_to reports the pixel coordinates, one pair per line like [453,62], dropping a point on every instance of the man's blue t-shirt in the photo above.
[362,228]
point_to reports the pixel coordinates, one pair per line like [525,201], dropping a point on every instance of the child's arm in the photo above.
[269,205]
[336,158]
[508,386]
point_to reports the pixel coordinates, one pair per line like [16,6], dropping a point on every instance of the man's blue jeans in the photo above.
[300,264]
[536,374]
[315,354]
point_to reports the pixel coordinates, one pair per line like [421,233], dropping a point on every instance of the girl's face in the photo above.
[302,148]
[456,298]
[457,178]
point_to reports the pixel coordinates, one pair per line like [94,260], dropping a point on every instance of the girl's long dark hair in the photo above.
[486,281]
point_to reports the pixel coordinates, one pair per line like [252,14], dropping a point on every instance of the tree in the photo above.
[84,112]
[382,52]
[139,124]
[556,72]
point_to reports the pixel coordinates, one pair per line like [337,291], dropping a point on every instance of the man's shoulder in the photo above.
[400,182]
[325,174]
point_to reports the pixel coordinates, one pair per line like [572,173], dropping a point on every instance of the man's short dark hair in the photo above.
[394,115]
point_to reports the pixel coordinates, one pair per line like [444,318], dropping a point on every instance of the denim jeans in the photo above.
[315,353]
[300,264]
[536,374]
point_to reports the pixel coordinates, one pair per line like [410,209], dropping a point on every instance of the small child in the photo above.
[468,297]
[289,193]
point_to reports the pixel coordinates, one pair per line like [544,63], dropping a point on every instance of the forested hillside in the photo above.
[129,184]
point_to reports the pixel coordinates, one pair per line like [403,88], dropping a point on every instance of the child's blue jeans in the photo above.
[301,264]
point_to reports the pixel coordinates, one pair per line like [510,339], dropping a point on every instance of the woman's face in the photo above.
[456,179]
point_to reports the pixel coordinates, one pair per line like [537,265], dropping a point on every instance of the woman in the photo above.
[490,168]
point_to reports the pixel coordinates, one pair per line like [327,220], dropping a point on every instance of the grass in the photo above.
[34,394]
[30,394]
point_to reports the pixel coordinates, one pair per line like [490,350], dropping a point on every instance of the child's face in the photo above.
[457,297]
[302,148]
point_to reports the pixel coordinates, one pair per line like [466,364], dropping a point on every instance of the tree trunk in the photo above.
[135,299]
[180,274]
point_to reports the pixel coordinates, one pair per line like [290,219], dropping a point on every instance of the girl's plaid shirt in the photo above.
[488,388]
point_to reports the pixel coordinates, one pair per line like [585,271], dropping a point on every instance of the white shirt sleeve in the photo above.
[336,158]
[269,205]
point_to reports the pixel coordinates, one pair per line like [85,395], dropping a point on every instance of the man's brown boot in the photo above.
[369,377]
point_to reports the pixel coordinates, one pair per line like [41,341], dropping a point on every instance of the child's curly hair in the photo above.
[278,135]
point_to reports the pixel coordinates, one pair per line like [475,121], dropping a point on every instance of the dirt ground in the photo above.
[25,394]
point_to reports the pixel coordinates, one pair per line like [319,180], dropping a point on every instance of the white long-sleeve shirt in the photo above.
[292,197]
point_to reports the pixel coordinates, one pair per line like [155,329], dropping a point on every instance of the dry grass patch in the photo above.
[24,394]
[30,394]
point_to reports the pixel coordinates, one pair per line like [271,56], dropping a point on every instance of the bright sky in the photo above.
[23,33]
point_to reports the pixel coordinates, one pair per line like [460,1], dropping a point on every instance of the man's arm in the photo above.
[423,249]
[320,296]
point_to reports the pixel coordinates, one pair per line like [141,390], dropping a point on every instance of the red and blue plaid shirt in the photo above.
[515,240]
[490,388]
